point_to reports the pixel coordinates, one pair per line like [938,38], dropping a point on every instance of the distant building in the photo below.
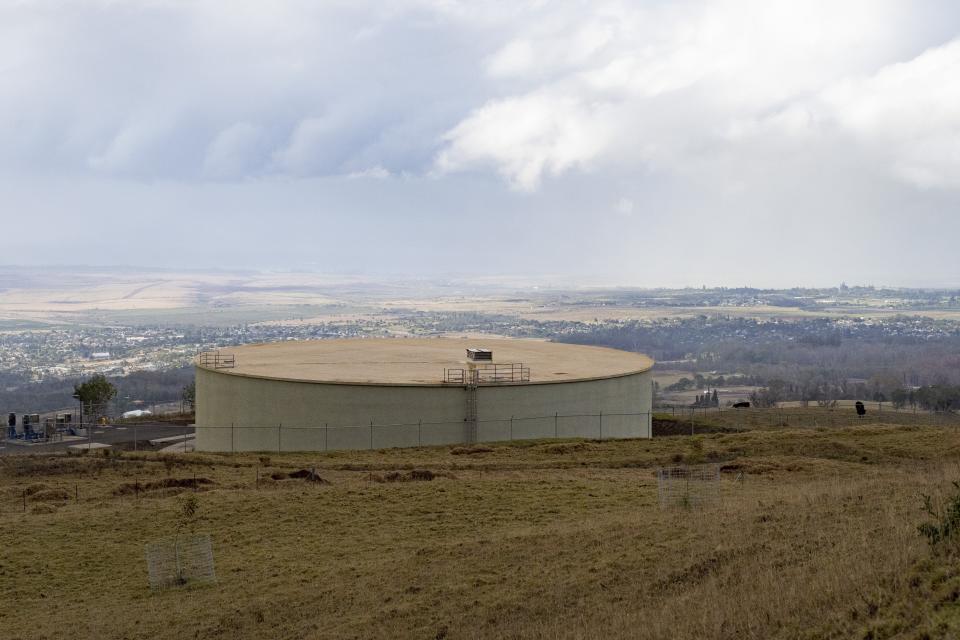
[100,355]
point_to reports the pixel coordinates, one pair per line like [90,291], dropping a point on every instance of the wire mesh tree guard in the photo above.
[179,561]
[692,486]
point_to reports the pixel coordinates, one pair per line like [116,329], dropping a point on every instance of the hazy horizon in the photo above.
[731,143]
[503,280]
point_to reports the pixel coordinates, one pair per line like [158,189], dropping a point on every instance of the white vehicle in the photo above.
[137,413]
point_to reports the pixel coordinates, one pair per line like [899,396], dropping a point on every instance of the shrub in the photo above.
[946,518]
[188,507]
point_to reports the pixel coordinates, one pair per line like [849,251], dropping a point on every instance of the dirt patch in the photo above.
[466,451]
[670,426]
[128,488]
[308,475]
[414,475]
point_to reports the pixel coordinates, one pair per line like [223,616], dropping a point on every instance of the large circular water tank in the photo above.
[377,393]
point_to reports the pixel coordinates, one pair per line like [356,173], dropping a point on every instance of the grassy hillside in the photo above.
[815,537]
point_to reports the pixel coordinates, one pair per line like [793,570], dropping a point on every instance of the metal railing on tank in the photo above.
[488,374]
[217,360]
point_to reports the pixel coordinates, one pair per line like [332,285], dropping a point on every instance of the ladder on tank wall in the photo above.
[471,412]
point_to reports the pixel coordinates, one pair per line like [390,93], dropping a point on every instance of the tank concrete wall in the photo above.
[607,408]
[239,413]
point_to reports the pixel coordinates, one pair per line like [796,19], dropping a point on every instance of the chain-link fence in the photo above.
[327,437]
[323,436]
[688,486]
[179,561]
[155,435]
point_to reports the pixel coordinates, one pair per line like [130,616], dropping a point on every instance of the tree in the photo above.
[94,395]
[900,397]
[189,395]
[770,395]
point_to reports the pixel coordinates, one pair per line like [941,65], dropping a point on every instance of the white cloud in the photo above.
[127,150]
[377,173]
[910,113]
[310,148]
[528,137]
[234,151]
[670,86]
[516,58]
[364,118]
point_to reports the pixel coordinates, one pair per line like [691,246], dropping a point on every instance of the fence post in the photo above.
[279,431]
[556,430]
[233,446]
[420,432]
[326,433]
[134,436]
[371,435]
[511,428]
[601,425]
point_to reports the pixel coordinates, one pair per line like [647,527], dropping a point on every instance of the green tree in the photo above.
[189,395]
[94,395]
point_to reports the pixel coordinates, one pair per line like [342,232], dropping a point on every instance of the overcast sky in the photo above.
[731,142]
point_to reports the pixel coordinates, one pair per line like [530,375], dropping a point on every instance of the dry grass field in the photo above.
[815,536]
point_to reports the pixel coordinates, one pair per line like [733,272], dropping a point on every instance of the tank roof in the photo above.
[422,361]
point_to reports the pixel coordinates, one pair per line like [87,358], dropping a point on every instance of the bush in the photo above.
[946,518]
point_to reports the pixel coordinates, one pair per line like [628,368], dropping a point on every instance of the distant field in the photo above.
[815,537]
[223,297]
[24,325]
[216,316]
[590,313]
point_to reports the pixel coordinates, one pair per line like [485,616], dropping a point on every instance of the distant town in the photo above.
[805,344]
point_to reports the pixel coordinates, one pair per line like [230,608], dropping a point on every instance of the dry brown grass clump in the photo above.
[309,475]
[414,475]
[35,488]
[471,450]
[564,448]
[42,509]
[196,483]
[50,495]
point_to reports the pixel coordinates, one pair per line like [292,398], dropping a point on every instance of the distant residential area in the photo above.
[863,343]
